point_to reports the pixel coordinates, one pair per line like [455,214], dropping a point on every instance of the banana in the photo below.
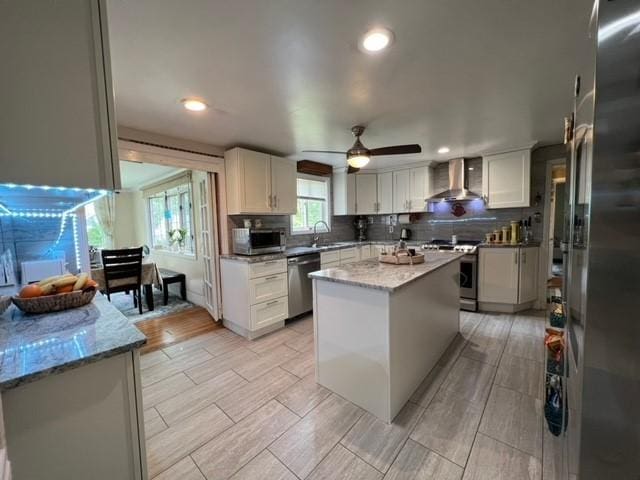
[64,281]
[53,279]
[81,282]
[47,289]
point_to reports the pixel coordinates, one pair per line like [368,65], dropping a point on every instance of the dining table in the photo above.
[150,277]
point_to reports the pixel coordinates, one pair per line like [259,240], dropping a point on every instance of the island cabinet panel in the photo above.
[58,121]
[374,346]
[83,423]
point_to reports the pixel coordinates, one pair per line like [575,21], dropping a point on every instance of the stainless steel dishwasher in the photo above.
[300,287]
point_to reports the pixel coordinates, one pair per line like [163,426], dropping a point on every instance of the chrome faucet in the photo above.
[315,232]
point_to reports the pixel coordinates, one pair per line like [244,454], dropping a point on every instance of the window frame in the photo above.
[165,194]
[328,200]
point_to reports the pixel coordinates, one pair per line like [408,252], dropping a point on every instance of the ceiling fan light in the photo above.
[358,161]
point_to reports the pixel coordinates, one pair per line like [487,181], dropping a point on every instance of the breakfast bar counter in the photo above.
[380,328]
[70,391]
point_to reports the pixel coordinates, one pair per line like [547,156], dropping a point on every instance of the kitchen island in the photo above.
[380,328]
[70,391]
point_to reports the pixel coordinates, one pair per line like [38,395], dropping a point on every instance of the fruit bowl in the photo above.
[55,303]
[4,303]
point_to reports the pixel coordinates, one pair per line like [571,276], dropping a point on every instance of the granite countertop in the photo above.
[296,251]
[35,346]
[508,245]
[383,276]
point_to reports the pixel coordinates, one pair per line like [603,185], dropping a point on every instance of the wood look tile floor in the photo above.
[219,407]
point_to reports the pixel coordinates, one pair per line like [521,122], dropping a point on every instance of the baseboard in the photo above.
[504,307]
[251,334]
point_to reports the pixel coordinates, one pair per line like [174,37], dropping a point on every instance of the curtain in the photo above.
[105,208]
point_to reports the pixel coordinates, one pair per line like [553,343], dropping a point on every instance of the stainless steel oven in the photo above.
[258,241]
[469,282]
[468,268]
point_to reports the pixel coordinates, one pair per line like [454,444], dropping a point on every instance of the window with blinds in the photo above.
[313,204]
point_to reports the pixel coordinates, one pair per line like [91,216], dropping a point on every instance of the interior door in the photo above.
[209,245]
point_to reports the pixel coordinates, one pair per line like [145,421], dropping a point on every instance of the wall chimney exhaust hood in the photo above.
[458,184]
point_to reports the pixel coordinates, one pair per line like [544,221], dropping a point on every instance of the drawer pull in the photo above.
[271,278]
[273,302]
[270,262]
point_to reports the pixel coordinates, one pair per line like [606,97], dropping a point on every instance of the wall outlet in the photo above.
[390,228]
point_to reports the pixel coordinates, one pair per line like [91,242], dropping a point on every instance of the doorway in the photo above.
[554,230]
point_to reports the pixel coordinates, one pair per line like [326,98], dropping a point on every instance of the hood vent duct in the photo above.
[458,184]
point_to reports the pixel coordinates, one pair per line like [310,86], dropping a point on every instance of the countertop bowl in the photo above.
[5,301]
[55,303]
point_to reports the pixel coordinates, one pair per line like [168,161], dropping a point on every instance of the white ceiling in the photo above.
[135,175]
[286,75]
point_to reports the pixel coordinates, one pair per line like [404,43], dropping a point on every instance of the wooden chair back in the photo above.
[122,264]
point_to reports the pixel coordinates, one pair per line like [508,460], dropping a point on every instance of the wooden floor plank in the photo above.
[167,330]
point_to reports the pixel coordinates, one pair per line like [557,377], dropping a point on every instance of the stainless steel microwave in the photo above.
[258,241]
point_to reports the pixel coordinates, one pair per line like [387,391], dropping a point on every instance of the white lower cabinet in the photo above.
[255,296]
[364,252]
[507,278]
[348,255]
[332,256]
[264,289]
[268,313]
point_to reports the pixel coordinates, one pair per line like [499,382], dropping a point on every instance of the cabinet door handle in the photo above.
[273,302]
[270,202]
[269,262]
[271,278]
[275,201]
[409,202]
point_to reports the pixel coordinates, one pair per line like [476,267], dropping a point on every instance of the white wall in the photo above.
[132,229]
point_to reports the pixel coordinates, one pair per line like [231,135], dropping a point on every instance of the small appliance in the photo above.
[361,226]
[258,241]
[405,234]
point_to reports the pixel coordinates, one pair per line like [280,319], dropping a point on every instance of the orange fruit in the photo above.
[65,289]
[91,283]
[30,291]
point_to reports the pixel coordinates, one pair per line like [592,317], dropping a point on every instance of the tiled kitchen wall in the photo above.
[38,239]
[478,220]
[342,228]
[441,223]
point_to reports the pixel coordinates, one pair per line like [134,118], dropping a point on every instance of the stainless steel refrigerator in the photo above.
[601,384]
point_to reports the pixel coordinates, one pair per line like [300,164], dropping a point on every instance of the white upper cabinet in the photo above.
[401,188]
[58,123]
[283,186]
[506,179]
[366,193]
[420,188]
[385,192]
[258,183]
[344,193]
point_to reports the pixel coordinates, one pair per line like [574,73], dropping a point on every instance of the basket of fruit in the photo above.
[56,293]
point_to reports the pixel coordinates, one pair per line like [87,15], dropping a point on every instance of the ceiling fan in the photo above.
[359,155]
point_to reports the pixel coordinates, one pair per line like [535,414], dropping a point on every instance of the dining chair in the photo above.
[123,273]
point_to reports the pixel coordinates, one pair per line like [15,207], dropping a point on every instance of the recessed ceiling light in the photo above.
[377,39]
[194,105]
[443,150]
